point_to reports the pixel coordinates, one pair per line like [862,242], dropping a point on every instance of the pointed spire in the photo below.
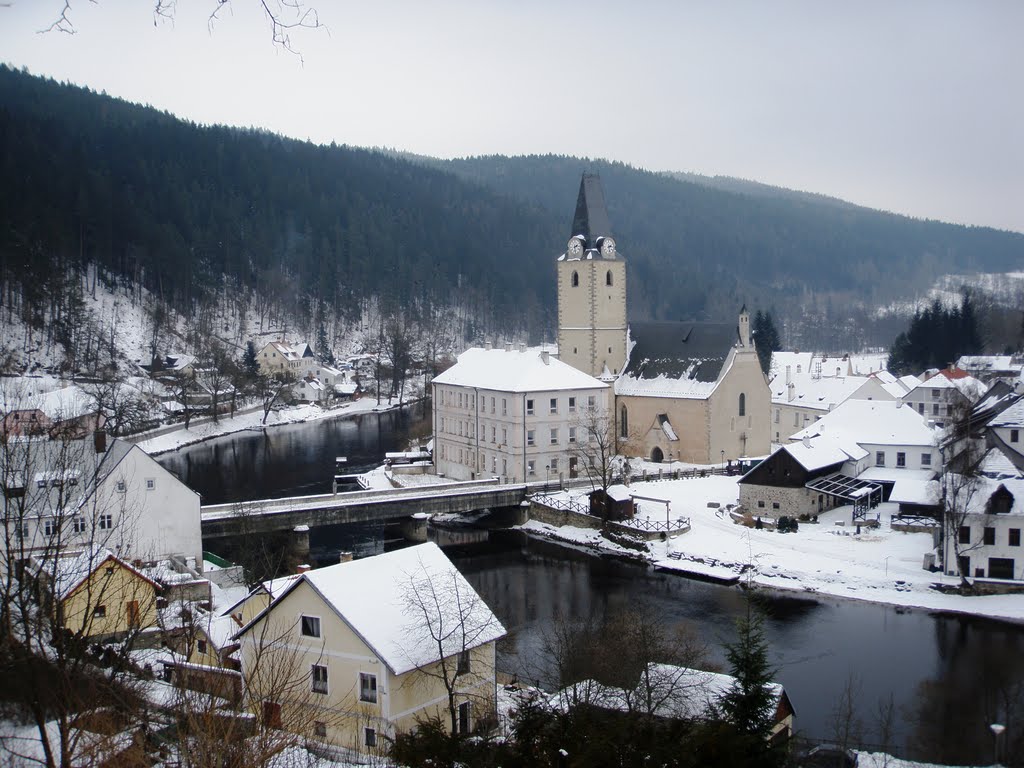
[591,219]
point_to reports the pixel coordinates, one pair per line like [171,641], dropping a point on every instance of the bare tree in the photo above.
[452,623]
[595,447]
[122,408]
[272,389]
[398,353]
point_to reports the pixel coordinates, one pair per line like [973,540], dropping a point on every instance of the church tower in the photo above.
[592,289]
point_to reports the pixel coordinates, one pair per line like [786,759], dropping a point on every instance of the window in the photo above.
[554,465]
[504,436]
[935,394]
[1015,537]
[106,522]
[1014,435]
[775,505]
[465,722]
[318,674]
[591,401]
[529,407]
[623,423]
[760,504]
[901,459]
[320,729]
[504,407]
[529,437]
[776,415]
[990,536]
[554,437]
[935,409]
[531,468]
[492,406]
[50,527]
[494,434]
[201,646]
[370,737]
[926,459]
[463,665]
[79,524]
[879,458]
[743,404]
[494,464]
[553,405]
[120,486]
[608,277]
[150,483]
[572,405]
[575,279]
[964,535]
[796,419]
[310,626]
[41,483]
[920,408]
[572,434]
[368,687]
[99,612]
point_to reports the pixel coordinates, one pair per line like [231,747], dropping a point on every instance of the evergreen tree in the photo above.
[250,365]
[750,705]
[766,338]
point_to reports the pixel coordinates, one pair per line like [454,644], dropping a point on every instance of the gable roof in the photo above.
[872,422]
[401,604]
[514,371]
[816,392]
[69,573]
[674,359]
[591,217]
[1012,417]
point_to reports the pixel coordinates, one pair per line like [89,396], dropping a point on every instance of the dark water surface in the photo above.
[942,674]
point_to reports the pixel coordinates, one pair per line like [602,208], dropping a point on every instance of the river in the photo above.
[942,674]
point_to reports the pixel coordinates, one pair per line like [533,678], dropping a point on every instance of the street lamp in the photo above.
[723,461]
[887,564]
[997,731]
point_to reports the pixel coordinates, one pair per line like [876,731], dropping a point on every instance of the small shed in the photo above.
[614,504]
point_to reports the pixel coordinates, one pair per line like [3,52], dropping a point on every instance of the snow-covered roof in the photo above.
[619,493]
[996,466]
[872,422]
[67,403]
[69,572]
[666,427]
[895,474]
[816,392]
[909,381]
[867,363]
[809,362]
[218,629]
[816,454]
[683,693]
[915,490]
[401,602]
[956,379]
[987,363]
[514,371]
[1011,418]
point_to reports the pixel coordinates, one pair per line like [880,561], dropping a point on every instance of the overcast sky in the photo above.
[915,107]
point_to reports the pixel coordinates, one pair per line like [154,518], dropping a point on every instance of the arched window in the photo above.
[743,404]
[575,279]
[623,423]
[608,277]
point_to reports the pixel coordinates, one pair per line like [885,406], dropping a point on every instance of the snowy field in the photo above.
[879,565]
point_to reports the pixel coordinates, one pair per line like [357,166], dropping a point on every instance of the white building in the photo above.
[1006,430]
[943,396]
[296,359]
[800,399]
[518,414]
[989,540]
[95,493]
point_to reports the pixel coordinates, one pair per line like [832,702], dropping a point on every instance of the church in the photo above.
[683,391]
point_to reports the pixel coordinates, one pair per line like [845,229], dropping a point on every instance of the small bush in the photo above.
[787,524]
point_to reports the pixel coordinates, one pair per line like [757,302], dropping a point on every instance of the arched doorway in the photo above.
[657,456]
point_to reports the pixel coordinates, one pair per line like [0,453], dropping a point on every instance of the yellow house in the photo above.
[100,595]
[357,652]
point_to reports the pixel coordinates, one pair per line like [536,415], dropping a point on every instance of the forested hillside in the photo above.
[285,229]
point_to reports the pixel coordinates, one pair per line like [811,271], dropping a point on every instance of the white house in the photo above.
[799,399]
[1006,430]
[945,395]
[989,537]
[297,359]
[85,494]
[518,414]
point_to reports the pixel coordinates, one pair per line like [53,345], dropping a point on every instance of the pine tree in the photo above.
[250,364]
[750,705]
[766,338]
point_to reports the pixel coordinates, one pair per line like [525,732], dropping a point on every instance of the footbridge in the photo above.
[392,504]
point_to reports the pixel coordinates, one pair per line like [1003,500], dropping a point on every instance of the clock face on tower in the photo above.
[575,247]
[608,248]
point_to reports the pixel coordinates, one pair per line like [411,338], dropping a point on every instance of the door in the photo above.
[573,469]
[271,714]
[464,719]
[132,608]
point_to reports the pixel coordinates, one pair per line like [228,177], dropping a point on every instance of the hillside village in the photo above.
[667,442]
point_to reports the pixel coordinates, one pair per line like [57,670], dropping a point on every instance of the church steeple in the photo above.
[591,218]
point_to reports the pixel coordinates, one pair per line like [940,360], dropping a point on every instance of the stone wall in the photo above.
[792,501]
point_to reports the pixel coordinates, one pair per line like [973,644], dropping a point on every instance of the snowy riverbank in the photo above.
[253,420]
[878,565]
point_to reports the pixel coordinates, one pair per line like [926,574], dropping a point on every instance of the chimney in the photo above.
[789,374]
[300,569]
[99,440]
[791,392]
[545,357]
[487,345]
[807,441]
[344,557]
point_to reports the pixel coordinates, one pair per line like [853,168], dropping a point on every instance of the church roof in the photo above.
[591,217]
[676,359]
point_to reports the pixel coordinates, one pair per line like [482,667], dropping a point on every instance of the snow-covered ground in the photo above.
[878,565]
[253,419]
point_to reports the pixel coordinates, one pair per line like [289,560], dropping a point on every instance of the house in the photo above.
[859,454]
[991,368]
[214,642]
[944,396]
[1005,430]
[683,693]
[812,363]
[376,645]
[690,391]
[96,594]
[76,494]
[296,359]
[988,539]
[520,414]
[67,411]
[799,399]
